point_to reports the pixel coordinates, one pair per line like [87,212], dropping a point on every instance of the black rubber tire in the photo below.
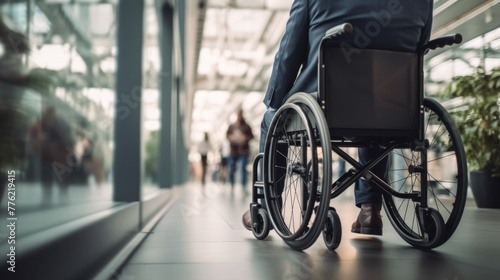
[446,174]
[300,116]
[332,232]
[262,226]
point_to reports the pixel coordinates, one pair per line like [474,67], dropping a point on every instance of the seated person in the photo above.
[399,25]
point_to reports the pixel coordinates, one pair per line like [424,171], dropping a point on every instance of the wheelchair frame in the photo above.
[314,130]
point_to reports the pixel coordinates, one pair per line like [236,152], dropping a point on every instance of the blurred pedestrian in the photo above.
[58,159]
[93,158]
[239,135]
[204,147]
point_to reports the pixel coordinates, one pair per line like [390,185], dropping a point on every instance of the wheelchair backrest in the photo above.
[370,93]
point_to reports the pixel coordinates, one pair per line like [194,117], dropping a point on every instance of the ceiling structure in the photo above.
[238,45]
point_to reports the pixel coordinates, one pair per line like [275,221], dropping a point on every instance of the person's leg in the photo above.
[368,197]
[203,169]
[341,166]
[64,189]
[243,162]
[364,191]
[264,128]
[46,179]
[224,170]
[232,169]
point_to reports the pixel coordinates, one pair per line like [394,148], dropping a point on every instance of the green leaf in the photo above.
[479,122]
[497,82]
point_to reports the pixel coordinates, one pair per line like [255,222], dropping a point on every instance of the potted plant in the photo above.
[479,126]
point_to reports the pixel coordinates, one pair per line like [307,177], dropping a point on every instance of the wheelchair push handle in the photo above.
[446,40]
[338,30]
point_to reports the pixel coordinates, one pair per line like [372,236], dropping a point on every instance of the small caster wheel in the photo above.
[332,232]
[433,229]
[260,224]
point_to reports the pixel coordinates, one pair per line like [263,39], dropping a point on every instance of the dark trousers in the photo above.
[203,168]
[240,162]
[364,191]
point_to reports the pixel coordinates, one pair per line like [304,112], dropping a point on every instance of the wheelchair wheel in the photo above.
[297,171]
[332,232]
[261,227]
[446,182]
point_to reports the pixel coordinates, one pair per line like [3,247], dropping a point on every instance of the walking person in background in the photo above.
[94,159]
[203,149]
[58,158]
[239,135]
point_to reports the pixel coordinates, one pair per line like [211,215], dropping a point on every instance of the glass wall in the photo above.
[57,108]
[151,111]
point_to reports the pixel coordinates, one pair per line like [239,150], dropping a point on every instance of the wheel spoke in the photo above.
[291,157]
[445,159]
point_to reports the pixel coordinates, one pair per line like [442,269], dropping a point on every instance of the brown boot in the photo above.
[369,220]
[247,220]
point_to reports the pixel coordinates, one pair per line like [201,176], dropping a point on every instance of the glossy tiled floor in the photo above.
[201,237]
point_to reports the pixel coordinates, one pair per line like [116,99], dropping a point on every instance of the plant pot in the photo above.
[486,189]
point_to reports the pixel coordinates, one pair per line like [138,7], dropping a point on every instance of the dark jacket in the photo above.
[401,25]
[239,147]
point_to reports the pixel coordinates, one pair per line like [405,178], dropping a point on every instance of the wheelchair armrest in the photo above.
[440,42]
[338,30]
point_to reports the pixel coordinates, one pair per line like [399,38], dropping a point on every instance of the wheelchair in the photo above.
[373,99]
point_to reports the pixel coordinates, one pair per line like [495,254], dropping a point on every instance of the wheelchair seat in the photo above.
[370,93]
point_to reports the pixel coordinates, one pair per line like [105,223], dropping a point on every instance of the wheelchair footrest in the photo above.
[345,177]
